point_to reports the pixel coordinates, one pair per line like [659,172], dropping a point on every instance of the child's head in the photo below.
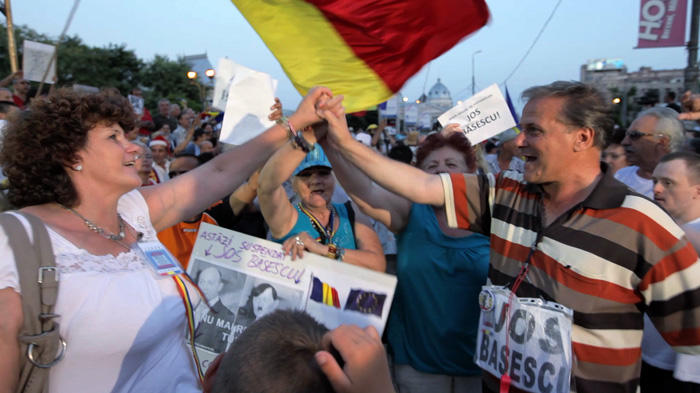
[275,354]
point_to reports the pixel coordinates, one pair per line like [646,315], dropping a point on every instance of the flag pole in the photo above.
[55,51]
[11,47]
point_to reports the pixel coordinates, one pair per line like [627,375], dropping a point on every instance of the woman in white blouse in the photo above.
[70,164]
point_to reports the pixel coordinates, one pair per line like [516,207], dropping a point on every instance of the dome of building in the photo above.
[439,95]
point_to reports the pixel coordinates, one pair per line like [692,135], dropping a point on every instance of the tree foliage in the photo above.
[109,66]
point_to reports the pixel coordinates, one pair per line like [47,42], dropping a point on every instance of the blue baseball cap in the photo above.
[316,157]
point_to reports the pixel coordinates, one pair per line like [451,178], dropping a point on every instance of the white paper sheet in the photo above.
[482,116]
[250,95]
[35,60]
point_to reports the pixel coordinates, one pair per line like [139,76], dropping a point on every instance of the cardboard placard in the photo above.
[253,277]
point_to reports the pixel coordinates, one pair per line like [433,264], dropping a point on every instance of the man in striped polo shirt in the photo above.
[590,243]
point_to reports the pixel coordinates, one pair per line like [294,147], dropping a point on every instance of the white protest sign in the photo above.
[426,121]
[224,73]
[257,278]
[35,60]
[482,116]
[136,103]
[250,96]
[529,340]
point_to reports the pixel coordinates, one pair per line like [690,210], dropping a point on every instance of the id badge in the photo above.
[161,260]
[529,340]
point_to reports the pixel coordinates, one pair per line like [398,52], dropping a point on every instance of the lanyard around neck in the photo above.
[326,232]
[189,310]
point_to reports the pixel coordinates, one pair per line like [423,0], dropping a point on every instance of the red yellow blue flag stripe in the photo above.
[189,310]
[324,293]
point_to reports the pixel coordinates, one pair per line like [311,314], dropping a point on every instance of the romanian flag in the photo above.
[324,293]
[364,49]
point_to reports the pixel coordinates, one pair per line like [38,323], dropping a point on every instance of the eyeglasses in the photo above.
[636,134]
[172,174]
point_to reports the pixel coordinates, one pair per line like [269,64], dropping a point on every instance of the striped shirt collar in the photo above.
[607,194]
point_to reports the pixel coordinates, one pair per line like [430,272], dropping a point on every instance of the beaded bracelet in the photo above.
[332,251]
[298,140]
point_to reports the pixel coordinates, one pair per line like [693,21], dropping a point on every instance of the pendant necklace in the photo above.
[100,231]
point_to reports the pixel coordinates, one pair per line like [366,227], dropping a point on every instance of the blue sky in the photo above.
[580,30]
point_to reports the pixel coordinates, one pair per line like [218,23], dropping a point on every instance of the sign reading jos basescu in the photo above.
[245,278]
[482,116]
[662,23]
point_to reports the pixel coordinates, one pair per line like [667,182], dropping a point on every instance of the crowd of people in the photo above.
[567,207]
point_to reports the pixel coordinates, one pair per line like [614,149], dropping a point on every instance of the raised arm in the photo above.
[279,213]
[188,136]
[397,177]
[182,197]
[244,194]
[373,200]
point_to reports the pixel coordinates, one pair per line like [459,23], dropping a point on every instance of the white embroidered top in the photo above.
[124,325]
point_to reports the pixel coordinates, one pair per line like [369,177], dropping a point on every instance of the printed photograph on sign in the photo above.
[224,289]
[263,297]
[136,103]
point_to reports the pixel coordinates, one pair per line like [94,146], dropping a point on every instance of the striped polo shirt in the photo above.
[610,258]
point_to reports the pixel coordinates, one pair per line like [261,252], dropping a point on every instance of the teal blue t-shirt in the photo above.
[433,322]
[343,237]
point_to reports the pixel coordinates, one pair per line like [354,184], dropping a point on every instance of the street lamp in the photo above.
[210,73]
[192,76]
[473,82]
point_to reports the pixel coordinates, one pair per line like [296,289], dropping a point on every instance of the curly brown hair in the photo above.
[42,141]
[456,141]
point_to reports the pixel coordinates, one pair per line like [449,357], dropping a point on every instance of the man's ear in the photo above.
[664,143]
[584,138]
[696,191]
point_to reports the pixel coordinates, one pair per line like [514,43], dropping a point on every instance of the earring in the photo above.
[78,168]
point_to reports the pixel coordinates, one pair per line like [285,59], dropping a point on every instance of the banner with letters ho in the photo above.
[245,277]
[662,23]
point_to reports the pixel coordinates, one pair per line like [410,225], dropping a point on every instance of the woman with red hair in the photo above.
[432,327]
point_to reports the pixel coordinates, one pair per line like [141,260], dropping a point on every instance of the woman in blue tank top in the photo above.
[432,327]
[314,224]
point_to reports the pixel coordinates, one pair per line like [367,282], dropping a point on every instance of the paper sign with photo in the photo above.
[482,116]
[35,60]
[136,103]
[245,277]
[250,96]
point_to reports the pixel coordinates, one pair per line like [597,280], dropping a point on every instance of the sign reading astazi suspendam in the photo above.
[662,23]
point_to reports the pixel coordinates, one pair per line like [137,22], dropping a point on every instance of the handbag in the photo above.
[41,345]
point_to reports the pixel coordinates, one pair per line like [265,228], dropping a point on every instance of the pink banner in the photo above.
[662,23]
